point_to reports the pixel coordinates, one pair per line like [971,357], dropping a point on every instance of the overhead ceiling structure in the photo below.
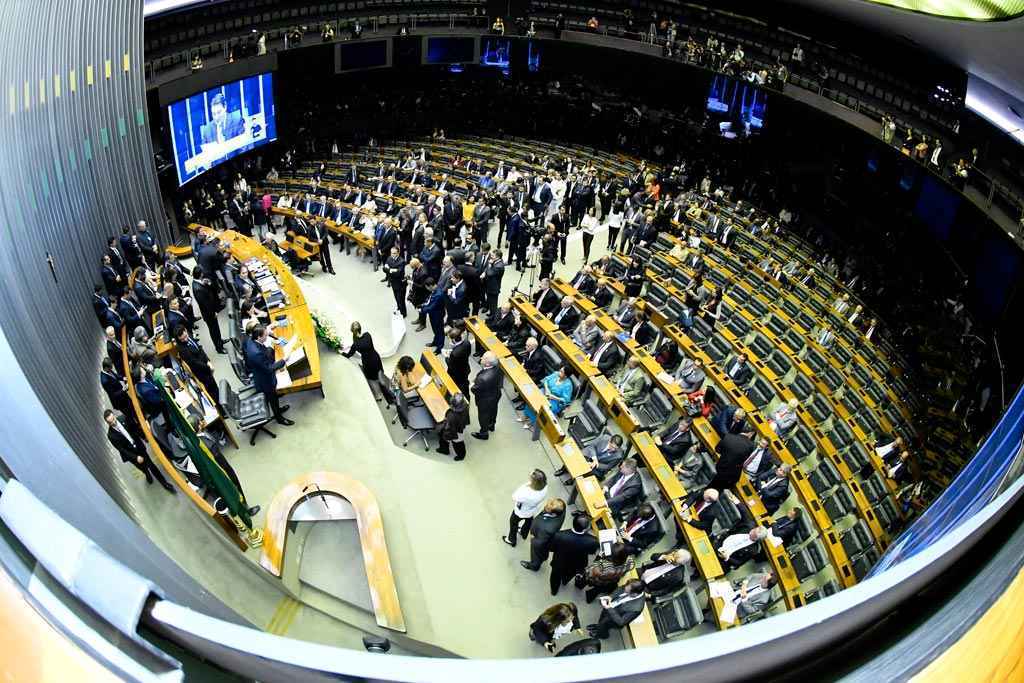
[977,10]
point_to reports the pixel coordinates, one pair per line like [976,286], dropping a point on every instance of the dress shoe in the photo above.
[285,409]
[526,565]
[438,450]
[254,510]
[222,350]
[169,489]
[480,435]
[420,328]
[459,458]
[285,421]
[560,471]
[508,542]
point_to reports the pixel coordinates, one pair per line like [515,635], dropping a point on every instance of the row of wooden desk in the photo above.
[777,555]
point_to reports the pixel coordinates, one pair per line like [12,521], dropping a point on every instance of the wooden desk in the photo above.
[199,399]
[300,322]
[537,320]
[639,632]
[657,466]
[594,502]
[570,352]
[160,343]
[485,337]
[439,372]
[572,457]
[383,593]
[430,394]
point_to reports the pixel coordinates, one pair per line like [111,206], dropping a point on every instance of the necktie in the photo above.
[750,459]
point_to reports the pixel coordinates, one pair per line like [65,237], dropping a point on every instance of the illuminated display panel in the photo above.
[978,10]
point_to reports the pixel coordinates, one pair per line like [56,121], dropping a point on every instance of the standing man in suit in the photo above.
[545,526]
[458,359]
[319,234]
[570,550]
[620,608]
[117,259]
[211,260]
[130,248]
[259,359]
[518,237]
[198,362]
[433,309]
[117,391]
[206,297]
[456,297]
[494,271]
[132,448]
[730,420]
[733,451]
[394,271]
[487,392]
[112,280]
[624,488]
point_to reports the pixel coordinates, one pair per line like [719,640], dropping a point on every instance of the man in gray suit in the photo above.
[754,593]
[691,376]
[620,608]
[587,335]
[631,383]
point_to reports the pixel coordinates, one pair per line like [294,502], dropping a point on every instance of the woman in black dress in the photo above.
[362,343]
[455,422]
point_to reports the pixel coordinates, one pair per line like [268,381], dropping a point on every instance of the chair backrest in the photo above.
[839,504]
[552,361]
[230,400]
[824,477]
[729,514]
[856,538]
[660,404]
[800,442]
[675,617]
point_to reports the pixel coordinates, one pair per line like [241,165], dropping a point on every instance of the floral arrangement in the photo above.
[325,331]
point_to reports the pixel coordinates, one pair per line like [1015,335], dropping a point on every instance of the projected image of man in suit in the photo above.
[224,125]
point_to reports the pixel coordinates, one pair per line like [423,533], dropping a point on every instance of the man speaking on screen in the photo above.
[223,125]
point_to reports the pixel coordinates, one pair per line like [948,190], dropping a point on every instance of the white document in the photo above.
[728,615]
[289,348]
[425,380]
[183,399]
[295,356]
[774,540]
[284,380]
[720,589]
[666,378]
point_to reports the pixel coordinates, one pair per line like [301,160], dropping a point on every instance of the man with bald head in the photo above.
[487,392]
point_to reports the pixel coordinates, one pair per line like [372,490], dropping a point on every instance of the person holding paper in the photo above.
[737,549]
[754,594]
[259,358]
[620,608]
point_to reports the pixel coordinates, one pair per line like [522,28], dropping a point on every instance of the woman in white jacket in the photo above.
[527,502]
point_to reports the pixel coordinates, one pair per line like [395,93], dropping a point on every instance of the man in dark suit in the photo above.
[641,530]
[388,238]
[787,527]
[487,392]
[546,299]
[394,272]
[603,454]
[542,532]
[493,273]
[759,461]
[193,355]
[132,448]
[570,550]
[116,258]
[458,359]
[206,298]
[222,125]
[620,608]
[211,260]
[456,297]
[112,280]
[518,236]
[624,487]
[730,420]
[739,370]
[733,450]
[773,487]
[117,391]
[675,440]
[607,356]
[704,510]
[133,313]
[566,316]
[130,248]
[319,234]
[533,361]
[146,296]
[259,360]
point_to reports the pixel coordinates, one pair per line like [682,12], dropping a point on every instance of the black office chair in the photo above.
[678,615]
[809,561]
[655,410]
[250,413]
[830,587]
[414,417]
[552,361]
[857,538]
[588,424]
[238,365]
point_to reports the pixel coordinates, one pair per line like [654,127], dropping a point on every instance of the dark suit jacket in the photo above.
[261,364]
[546,300]
[571,551]
[487,385]
[785,529]
[677,448]
[706,519]
[629,493]
[648,534]
[610,359]
[128,450]
[534,366]
[743,375]
[724,423]
[666,583]
[492,276]
[233,126]
[777,492]
[210,260]
[733,450]
[194,355]
[622,614]
[458,361]
[569,321]
[545,526]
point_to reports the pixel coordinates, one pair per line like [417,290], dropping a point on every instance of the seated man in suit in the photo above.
[625,314]
[703,511]
[641,331]
[691,375]
[666,573]
[786,527]
[620,608]
[584,282]
[759,461]
[223,125]
[632,383]
[730,420]
[501,321]
[754,593]
[546,299]
[738,549]
[641,530]
[675,440]
[739,370]
[604,454]
[899,469]
[606,355]
[784,417]
[773,487]
[623,488]
[587,334]
[565,316]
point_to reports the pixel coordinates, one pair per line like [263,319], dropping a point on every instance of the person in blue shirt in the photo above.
[557,387]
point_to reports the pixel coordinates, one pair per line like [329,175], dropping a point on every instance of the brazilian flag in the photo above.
[212,473]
